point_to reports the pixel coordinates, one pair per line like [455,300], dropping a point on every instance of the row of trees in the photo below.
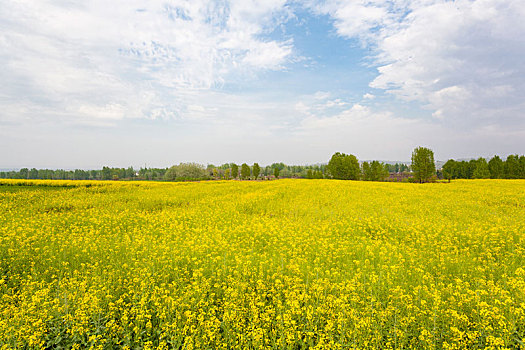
[341,166]
[194,171]
[183,171]
[105,173]
[280,170]
[512,168]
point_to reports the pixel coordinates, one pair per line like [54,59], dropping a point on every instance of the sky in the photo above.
[154,83]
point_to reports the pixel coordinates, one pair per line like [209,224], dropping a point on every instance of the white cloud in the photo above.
[145,57]
[462,59]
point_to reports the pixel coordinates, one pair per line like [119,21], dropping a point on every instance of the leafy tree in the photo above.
[343,167]
[256,170]
[245,171]
[33,173]
[309,174]
[512,167]
[234,170]
[379,171]
[367,172]
[482,169]
[423,164]
[521,162]
[450,169]
[495,167]
[185,171]
[106,173]
[276,172]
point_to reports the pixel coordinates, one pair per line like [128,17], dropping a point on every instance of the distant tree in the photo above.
[367,172]
[227,174]
[130,172]
[482,169]
[495,167]
[450,169]
[344,167]
[245,171]
[33,173]
[374,171]
[256,170]
[512,167]
[23,173]
[423,164]
[521,162]
[379,171]
[309,174]
[234,170]
[280,166]
[106,173]
[185,171]
[171,174]
[276,172]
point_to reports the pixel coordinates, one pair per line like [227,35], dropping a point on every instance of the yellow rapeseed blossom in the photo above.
[286,264]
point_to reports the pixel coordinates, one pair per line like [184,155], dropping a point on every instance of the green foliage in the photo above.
[186,171]
[512,167]
[343,167]
[449,169]
[245,171]
[365,168]
[496,168]
[482,169]
[423,164]
[234,170]
[374,171]
[256,170]
[276,172]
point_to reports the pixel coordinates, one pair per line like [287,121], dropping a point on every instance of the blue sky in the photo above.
[163,82]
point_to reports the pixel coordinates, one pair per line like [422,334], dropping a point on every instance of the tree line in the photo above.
[181,172]
[513,167]
[340,166]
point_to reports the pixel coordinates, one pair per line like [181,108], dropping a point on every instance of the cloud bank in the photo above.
[92,61]
[186,75]
[461,59]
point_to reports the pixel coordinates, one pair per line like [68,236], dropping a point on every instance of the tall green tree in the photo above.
[423,164]
[343,167]
[496,167]
[521,162]
[450,169]
[33,173]
[379,171]
[482,169]
[276,172]
[256,170]
[367,172]
[511,167]
[106,173]
[245,171]
[234,171]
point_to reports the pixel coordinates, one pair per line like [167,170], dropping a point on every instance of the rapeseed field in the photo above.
[288,264]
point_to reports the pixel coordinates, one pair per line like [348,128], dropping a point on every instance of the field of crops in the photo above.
[281,264]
